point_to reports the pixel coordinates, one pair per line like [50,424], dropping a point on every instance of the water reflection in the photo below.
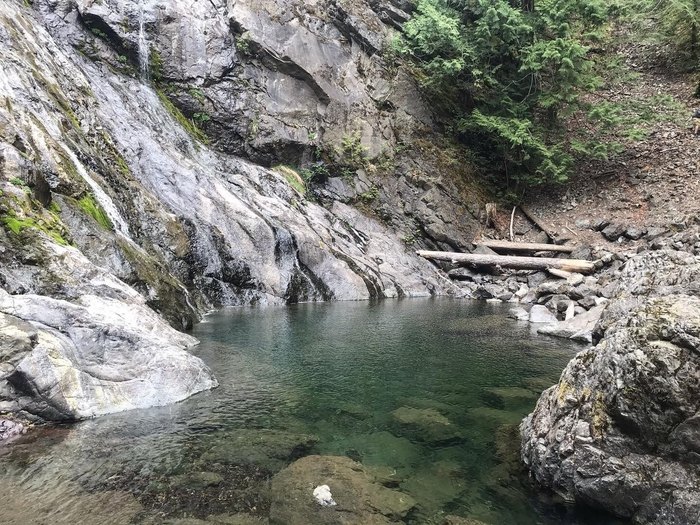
[429,389]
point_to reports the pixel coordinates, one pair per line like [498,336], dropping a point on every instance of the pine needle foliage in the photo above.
[505,72]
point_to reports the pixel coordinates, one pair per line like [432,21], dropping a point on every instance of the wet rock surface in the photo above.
[619,429]
[360,498]
[116,193]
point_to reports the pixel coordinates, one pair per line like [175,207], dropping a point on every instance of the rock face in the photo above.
[123,127]
[96,356]
[620,430]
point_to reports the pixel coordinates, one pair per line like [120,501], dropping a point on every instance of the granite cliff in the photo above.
[150,155]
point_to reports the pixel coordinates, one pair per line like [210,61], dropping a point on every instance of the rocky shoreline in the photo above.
[620,429]
[143,184]
[568,298]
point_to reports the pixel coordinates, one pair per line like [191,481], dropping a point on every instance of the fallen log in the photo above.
[562,274]
[530,214]
[511,261]
[525,246]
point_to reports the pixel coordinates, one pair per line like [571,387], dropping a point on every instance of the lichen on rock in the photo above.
[620,429]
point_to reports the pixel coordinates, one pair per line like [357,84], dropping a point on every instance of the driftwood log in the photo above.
[525,246]
[530,214]
[562,274]
[511,261]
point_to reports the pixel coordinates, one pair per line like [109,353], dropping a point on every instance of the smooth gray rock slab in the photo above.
[519,314]
[100,356]
[578,328]
[17,338]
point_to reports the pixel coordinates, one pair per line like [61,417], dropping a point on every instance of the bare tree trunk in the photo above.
[509,261]
[524,246]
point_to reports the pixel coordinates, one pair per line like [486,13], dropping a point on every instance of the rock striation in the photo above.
[92,357]
[620,429]
[136,140]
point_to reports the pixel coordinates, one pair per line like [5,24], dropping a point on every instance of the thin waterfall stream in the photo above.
[143,45]
[104,200]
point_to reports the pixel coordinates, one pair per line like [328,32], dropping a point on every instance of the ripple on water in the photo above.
[425,392]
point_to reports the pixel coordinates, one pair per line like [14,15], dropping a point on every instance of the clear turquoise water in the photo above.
[336,372]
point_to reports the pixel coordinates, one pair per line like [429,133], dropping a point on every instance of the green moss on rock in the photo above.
[17,225]
[91,207]
[186,123]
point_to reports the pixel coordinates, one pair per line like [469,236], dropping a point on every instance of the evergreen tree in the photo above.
[680,23]
[505,70]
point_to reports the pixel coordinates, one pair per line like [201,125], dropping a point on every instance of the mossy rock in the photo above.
[91,207]
[360,499]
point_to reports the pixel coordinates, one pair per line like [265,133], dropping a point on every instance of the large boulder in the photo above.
[96,356]
[360,497]
[621,430]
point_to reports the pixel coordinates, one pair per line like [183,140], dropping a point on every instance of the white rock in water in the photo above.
[323,496]
[540,314]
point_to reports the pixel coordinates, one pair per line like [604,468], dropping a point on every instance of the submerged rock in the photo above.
[435,487]
[360,499]
[459,520]
[384,448]
[240,518]
[509,398]
[425,424]
[270,449]
[197,480]
[620,430]
[97,356]
[23,507]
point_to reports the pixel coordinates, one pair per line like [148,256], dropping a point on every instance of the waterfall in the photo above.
[120,225]
[143,46]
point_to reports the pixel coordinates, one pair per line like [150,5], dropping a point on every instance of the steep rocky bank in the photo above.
[619,431]
[122,126]
[160,159]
